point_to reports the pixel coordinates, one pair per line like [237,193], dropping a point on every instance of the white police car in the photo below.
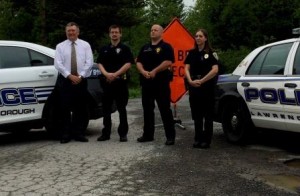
[28,97]
[263,91]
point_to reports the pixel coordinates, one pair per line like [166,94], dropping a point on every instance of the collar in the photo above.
[159,43]
[113,46]
[70,42]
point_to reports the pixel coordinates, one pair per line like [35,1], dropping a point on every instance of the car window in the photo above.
[39,59]
[271,61]
[13,57]
[296,68]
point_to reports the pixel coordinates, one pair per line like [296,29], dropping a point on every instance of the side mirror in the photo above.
[296,31]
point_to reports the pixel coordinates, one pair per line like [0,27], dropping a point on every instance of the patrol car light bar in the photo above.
[296,31]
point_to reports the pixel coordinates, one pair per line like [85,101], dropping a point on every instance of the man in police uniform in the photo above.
[153,62]
[114,60]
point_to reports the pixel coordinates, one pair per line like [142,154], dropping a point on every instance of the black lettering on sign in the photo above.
[178,71]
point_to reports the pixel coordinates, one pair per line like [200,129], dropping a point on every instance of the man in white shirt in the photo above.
[73,60]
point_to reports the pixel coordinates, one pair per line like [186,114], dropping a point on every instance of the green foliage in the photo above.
[43,21]
[162,12]
[236,26]
[233,24]
[231,58]
[134,92]
[14,24]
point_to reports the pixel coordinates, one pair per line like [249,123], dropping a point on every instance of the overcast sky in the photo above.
[189,2]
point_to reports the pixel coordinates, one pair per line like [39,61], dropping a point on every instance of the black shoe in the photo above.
[202,145]
[103,138]
[81,139]
[144,139]
[123,139]
[65,140]
[205,145]
[170,142]
[197,145]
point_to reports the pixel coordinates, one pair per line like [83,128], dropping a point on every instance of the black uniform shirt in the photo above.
[201,63]
[114,57]
[151,56]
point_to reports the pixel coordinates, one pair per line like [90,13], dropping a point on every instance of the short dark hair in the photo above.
[72,24]
[115,27]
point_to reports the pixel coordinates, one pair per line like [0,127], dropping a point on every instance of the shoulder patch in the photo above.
[215,55]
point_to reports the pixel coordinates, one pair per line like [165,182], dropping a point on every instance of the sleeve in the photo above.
[213,58]
[89,61]
[100,56]
[140,55]
[128,56]
[169,53]
[59,61]
[188,58]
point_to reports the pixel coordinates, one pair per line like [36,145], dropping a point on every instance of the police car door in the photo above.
[261,83]
[26,80]
[292,91]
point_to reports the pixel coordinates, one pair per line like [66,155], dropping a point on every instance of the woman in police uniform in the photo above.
[201,69]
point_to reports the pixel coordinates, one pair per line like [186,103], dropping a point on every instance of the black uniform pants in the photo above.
[159,92]
[202,108]
[74,108]
[116,91]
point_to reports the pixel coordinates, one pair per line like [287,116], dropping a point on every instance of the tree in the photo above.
[162,12]
[236,23]
[15,23]
[36,24]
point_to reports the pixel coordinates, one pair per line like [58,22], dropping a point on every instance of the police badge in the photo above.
[118,50]
[158,50]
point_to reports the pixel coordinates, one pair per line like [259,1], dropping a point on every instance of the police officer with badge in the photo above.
[114,60]
[201,69]
[153,63]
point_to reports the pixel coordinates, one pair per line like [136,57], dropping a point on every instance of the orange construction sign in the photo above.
[182,41]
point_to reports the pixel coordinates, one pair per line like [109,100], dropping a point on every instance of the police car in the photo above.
[28,98]
[263,91]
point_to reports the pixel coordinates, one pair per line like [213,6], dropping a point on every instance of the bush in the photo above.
[231,58]
[134,83]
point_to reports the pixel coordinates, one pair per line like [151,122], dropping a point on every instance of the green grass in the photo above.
[134,92]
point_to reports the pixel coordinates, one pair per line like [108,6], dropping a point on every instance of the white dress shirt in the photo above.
[84,57]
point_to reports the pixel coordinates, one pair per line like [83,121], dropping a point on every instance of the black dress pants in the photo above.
[74,108]
[116,91]
[160,92]
[202,108]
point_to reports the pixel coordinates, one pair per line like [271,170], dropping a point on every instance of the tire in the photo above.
[236,122]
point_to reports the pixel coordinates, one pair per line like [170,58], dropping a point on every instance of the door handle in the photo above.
[290,85]
[245,84]
[46,74]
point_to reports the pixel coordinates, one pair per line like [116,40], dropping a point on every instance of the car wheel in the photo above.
[236,122]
